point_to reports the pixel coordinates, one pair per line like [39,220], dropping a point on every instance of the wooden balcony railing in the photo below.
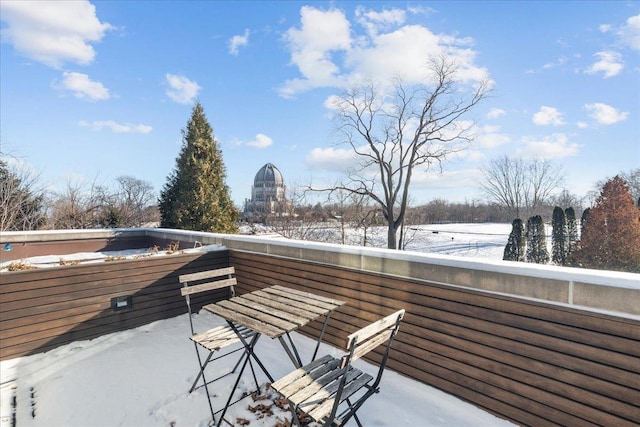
[533,346]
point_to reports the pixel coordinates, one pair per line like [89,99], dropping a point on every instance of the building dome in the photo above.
[268,176]
[267,193]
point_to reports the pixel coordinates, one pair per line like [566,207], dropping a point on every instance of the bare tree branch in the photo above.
[520,187]
[402,130]
[21,199]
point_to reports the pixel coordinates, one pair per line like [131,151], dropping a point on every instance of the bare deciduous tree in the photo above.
[285,220]
[77,207]
[403,130]
[82,205]
[362,216]
[133,197]
[521,187]
[566,199]
[21,199]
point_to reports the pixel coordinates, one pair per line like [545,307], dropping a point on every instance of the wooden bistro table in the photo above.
[275,312]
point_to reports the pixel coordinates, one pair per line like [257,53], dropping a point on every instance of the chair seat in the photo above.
[221,336]
[313,387]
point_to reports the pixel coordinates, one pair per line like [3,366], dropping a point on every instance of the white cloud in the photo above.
[605,114]
[430,179]
[117,127]
[405,52]
[605,28]
[261,141]
[548,116]
[328,52]
[555,146]
[582,125]
[490,137]
[181,89]
[496,113]
[53,32]
[331,159]
[237,41]
[629,33]
[82,86]
[561,61]
[402,52]
[373,21]
[320,33]
[420,10]
[610,64]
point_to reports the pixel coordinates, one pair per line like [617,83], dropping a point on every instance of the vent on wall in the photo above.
[122,303]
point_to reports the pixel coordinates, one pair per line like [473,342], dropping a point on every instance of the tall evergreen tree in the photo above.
[558,236]
[514,250]
[611,237]
[583,220]
[536,241]
[572,230]
[196,196]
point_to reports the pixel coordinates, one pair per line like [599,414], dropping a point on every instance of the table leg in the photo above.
[249,349]
[291,350]
[324,327]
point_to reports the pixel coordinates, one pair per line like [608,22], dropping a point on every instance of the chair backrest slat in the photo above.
[368,338]
[368,331]
[201,275]
[369,345]
[209,286]
[225,280]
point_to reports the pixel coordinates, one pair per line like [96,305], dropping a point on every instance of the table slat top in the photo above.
[296,297]
[274,311]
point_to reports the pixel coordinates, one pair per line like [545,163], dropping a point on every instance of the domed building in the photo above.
[267,193]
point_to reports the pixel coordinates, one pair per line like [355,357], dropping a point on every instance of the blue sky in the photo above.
[94,90]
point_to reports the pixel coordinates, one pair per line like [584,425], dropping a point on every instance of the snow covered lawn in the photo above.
[477,240]
[141,377]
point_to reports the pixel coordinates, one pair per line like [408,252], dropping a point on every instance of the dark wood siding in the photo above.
[42,309]
[530,362]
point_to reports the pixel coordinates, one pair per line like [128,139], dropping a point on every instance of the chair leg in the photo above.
[352,409]
[294,415]
[200,374]
[206,387]
[355,416]
[246,358]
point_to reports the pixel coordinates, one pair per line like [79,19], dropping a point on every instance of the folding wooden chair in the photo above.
[321,387]
[216,339]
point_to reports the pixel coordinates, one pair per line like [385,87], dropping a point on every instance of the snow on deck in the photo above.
[141,377]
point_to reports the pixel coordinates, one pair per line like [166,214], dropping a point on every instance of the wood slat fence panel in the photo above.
[531,362]
[43,309]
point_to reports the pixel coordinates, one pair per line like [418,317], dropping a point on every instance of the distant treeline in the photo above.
[437,211]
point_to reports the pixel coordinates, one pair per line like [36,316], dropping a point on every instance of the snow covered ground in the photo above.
[141,377]
[478,240]
[485,240]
